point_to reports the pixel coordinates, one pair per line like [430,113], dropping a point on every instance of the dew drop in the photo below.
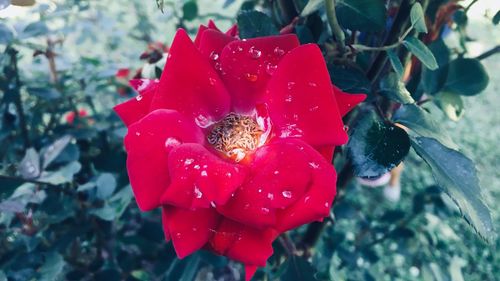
[137,133]
[204,173]
[202,121]
[270,196]
[188,161]
[271,68]
[195,229]
[312,84]
[172,142]
[212,203]
[196,167]
[265,210]
[178,235]
[287,194]
[138,97]
[313,108]
[278,51]
[276,172]
[289,98]
[327,204]
[290,85]
[214,56]
[31,169]
[254,53]
[314,165]
[197,192]
[259,190]
[228,174]
[307,199]
[251,77]
[346,128]
[212,81]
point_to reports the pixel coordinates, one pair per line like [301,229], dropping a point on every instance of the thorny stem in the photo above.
[337,31]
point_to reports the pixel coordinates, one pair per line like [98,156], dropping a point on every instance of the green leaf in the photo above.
[115,206]
[52,151]
[189,10]
[63,175]
[29,168]
[362,15]
[6,34]
[52,268]
[433,80]
[375,147]
[421,51]
[392,88]
[466,77]
[456,175]
[106,185]
[496,18]
[311,7]
[298,269]
[349,80]
[34,29]
[418,18]
[191,268]
[395,62]
[422,123]
[44,92]
[253,24]
[451,104]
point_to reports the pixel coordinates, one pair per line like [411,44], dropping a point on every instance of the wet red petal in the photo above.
[189,84]
[233,31]
[250,271]
[243,243]
[200,178]
[301,100]
[315,204]
[279,177]
[345,101]
[136,108]
[211,44]
[189,230]
[247,65]
[147,144]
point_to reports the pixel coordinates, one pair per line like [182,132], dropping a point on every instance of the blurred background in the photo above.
[67,212]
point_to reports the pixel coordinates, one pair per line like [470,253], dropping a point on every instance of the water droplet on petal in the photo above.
[271,68]
[265,210]
[290,85]
[312,84]
[212,203]
[278,51]
[289,98]
[287,194]
[254,53]
[202,121]
[196,167]
[270,196]
[204,173]
[214,56]
[307,199]
[188,161]
[137,133]
[228,174]
[327,204]
[138,97]
[313,108]
[197,192]
[172,142]
[314,165]
[195,229]
[211,81]
[346,128]
[251,77]
[276,172]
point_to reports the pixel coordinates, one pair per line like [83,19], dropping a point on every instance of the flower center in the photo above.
[235,135]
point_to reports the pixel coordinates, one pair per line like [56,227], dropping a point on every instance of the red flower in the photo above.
[70,116]
[235,142]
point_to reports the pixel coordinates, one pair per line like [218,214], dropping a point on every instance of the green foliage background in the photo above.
[67,212]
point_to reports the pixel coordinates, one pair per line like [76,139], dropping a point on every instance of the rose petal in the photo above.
[211,44]
[316,202]
[190,230]
[250,271]
[148,143]
[301,100]
[279,177]
[345,101]
[233,31]
[134,109]
[210,26]
[200,178]
[243,243]
[165,225]
[327,152]
[189,84]
[247,65]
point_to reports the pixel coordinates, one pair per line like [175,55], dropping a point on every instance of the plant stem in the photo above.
[494,50]
[337,31]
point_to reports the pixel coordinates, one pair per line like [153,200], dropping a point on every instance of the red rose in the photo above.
[235,142]
[70,116]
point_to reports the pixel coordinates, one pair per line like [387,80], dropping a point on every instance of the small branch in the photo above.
[488,53]
[362,48]
[469,6]
[337,31]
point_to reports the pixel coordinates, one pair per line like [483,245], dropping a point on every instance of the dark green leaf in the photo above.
[395,62]
[63,175]
[255,24]
[362,15]
[422,123]
[190,10]
[456,175]
[52,268]
[191,268]
[51,152]
[418,18]
[466,77]
[496,18]
[35,29]
[375,148]
[392,88]
[44,93]
[433,80]
[349,80]
[106,185]
[451,104]
[311,7]
[298,269]
[6,34]
[421,51]
[29,168]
